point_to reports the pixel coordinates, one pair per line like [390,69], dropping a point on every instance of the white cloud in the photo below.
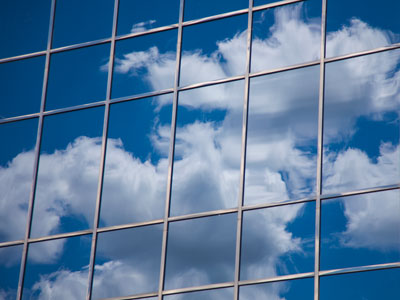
[142,26]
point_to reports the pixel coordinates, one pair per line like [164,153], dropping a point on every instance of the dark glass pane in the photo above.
[278,241]
[372,285]
[24,26]
[57,269]
[288,290]
[127,262]
[359,25]
[220,294]
[78,77]
[195,9]
[286,35]
[135,179]
[68,172]
[27,73]
[16,173]
[214,50]
[144,64]
[10,260]
[360,230]
[201,251]
[138,16]
[207,149]
[361,129]
[79,21]
[282,136]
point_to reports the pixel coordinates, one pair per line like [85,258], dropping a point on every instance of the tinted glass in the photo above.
[195,9]
[359,25]
[135,179]
[24,25]
[78,77]
[361,129]
[137,16]
[79,21]
[220,294]
[201,251]
[68,172]
[27,73]
[214,50]
[207,149]
[127,262]
[10,260]
[57,269]
[144,64]
[282,136]
[278,241]
[286,35]
[16,172]
[360,230]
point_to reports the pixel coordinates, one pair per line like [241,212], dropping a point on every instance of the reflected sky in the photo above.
[219,294]
[195,9]
[10,259]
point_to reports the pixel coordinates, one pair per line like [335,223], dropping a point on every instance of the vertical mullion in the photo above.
[320,153]
[37,152]
[103,154]
[243,157]
[171,151]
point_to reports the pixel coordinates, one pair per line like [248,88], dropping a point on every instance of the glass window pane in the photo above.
[135,179]
[138,16]
[361,123]
[360,25]
[201,251]
[219,294]
[288,290]
[144,64]
[79,21]
[195,9]
[360,230]
[27,73]
[208,148]
[286,35]
[57,269]
[16,173]
[24,26]
[128,262]
[78,77]
[371,285]
[278,241]
[68,172]
[10,260]
[214,50]
[282,136]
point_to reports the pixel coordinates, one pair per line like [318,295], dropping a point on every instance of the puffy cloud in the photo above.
[142,26]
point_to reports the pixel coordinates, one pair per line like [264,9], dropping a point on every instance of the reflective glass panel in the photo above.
[57,269]
[16,172]
[127,262]
[24,26]
[286,35]
[214,50]
[372,285]
[208,148]
[261,2]
[68,172]
[219,294]
[360,25]
[135,179]
[10,260]
[361,122]
[282,136]
[78,77]
[27,73]
[138,16]
[195,9]
[79,21]
[288,290]
[360,230]
[201,251]
[278,241]
[144,64]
